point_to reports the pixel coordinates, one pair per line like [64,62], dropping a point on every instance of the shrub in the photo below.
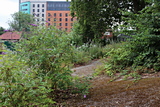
[142,50]
[19,85]
[49,50]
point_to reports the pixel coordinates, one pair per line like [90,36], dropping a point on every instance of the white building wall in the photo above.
[39,12]
[38,9]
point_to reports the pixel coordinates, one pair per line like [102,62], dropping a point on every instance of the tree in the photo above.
[147,21]
[21,21]
[1,30]
[95,16]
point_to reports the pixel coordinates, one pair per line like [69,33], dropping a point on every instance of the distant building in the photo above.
[49,12]
[108,34]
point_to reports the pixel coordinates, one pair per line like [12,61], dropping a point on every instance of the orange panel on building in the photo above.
[61,19]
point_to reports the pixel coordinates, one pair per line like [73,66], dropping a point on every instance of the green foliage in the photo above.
[9,45]
[21,21]
[1,30]
[143,49]
[49,50]
[80,57]
[144,22]
[95,16]
[38,72]
[86,52]
[19,85]
[81,85]
[76,35]
[96,51]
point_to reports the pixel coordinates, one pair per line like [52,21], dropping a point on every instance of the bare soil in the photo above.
[120,93]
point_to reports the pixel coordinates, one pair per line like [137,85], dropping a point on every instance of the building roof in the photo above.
[11,36]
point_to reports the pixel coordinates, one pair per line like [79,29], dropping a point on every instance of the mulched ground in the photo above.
[144,93]
[119,93]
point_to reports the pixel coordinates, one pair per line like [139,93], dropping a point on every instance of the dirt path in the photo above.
[144,93]
[86,70]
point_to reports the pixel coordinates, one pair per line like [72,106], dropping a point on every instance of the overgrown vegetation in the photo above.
[37,72]
[96,16]
[21,21]
[141,53]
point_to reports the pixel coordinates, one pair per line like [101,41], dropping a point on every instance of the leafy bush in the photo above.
[142,51]
[86,52]
[49,50]
[19,85]
[96,51]
[80,57]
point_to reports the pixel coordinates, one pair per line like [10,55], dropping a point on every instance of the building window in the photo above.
[24,9]
[58,6]
[49,19]
[42,19]
[49,14]
[54,24]
[54,19]
[60,24]
[37,5]
[66,19]
[60,19]
[42,5]
[33,5]
[71,24]
[37,15]
[54,14]
[25,5]
[49,24]
[42,15]
[33,10]
[66,29]
[60,14]
[37,10]
[71,19]
[42,10]
[37,20]
[66,14]
[66,24]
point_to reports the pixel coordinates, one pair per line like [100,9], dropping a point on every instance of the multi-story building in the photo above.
[49,12]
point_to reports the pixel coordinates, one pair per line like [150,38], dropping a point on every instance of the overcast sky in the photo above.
[7,7]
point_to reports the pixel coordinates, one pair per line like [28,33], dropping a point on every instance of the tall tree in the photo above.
[147,21]
[1,30]
[95,16]
[21,21]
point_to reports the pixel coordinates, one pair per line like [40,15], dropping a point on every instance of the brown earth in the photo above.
[120,93]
